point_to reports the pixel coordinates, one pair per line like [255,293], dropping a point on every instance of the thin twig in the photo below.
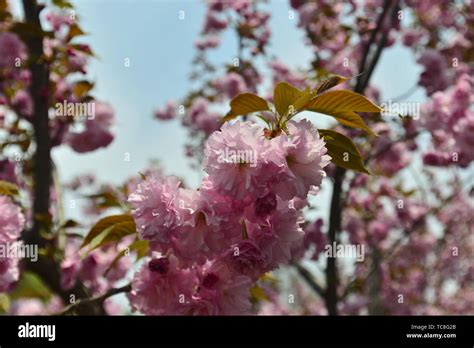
[308,277]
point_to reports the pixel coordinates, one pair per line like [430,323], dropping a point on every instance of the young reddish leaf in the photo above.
[244,104]
[113,233]
[343,151]
[74,30]
[330,83]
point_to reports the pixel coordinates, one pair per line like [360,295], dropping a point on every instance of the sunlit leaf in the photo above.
[112,234]
[330,83]
[8,189]
[81,88]
[351,119]
[62,4]
[4,303]
[258,294]
[74,30]
[342,100]
[284,95]
[303,100]
[343,151]
[244,104]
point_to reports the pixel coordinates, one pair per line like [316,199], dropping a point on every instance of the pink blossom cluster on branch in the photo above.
[213,243]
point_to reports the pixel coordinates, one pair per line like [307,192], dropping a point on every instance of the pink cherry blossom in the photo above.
[12,220]
[12,48]
[166,113]
[234,158]
[231,84]
[161,288]
[156,208]
[305,155]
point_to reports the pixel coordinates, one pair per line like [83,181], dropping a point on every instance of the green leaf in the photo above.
[343,100]
[244,104]
[330,83]
[343,151]
[81,88]
[8,189]
[109,229]
[31,286]
[74,31]
[4,303]
[284,95]
[112,234]
[62,4]
[267,122]
[351,119]
[342,106]
[303,100]
[83,49]
[258,294]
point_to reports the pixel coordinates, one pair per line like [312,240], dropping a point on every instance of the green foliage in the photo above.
[8,189]
[244,104]
[343,151]
[109,229]
[31,286]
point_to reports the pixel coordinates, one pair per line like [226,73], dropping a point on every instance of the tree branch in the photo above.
[307,276]
[47,267]
[336,201]
[97,301]
[39,95]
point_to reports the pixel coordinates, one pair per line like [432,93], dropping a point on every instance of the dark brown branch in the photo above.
[336,200]
[306,275]
[46,266]
[369,44]
[39,94]
[97,301]
[332,279]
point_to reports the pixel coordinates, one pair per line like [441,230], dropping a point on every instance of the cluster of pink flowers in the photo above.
[282,73]
[251,24]
[11,225]
[434,77]
[96,132]
[93,269]
[210,245]
[12,48]
[199,118]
